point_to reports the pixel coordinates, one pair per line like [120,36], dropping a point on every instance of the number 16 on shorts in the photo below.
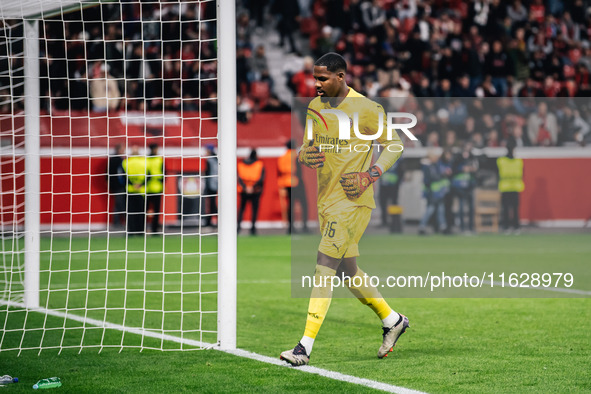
[333,239]
[329,229]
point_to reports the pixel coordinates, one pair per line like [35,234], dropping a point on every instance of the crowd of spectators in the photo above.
[426,45]
[132,55]
[517,49]
[450,123]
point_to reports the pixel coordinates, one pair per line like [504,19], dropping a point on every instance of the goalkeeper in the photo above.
[345,199]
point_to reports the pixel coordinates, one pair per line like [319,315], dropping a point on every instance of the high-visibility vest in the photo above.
[135,168]
[155,166]
[286,165]
[250,174]
[510,174]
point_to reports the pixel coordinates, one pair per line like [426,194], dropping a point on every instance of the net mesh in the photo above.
[121,84]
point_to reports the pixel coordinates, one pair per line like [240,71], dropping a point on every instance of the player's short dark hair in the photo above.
[333,62]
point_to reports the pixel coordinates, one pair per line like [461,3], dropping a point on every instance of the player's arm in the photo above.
[391,148]
[356,183]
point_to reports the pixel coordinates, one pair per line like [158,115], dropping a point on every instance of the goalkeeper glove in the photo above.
[311,157]
[356,183]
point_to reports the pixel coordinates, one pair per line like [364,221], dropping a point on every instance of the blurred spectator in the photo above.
[389,186]
[574,127]
[104,90]
[117,185]
[258,67]
[463,183]
[498,66]
[492,139]
[251,177]
[154,186]
[374,15]
[303,83]
[135,170]
[435,190]
[542,128]
[242,69]
[446,169]
[462,88]
[510,185]
[517,12]
[518,55]
[478,140]
[286,181]
[289,16]
[325,42]
[520,139]
[243,31]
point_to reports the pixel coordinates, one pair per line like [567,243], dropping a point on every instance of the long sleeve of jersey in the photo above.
[391,149]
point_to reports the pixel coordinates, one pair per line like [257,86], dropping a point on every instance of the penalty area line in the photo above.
[374,384]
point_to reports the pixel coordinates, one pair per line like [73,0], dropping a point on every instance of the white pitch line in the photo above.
[374,384]
[237,352]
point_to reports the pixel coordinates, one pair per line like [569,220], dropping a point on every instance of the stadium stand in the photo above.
[516,49]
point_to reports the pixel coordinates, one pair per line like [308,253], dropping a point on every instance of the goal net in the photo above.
[109,176]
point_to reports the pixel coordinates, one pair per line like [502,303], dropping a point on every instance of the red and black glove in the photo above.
[356,183]
[311,157]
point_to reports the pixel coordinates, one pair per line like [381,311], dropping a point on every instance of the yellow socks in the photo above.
[319,303]
[371,297]
[322,296]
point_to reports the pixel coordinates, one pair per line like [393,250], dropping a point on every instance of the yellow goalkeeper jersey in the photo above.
[352,154]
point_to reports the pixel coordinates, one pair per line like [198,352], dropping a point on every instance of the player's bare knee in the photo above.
[349,266]
[328,261]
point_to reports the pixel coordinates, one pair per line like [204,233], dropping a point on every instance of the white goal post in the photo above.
[85,283]
[227,275]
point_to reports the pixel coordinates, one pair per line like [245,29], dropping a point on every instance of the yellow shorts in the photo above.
[341,232]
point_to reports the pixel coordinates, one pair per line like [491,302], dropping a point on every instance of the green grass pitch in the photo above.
[454,345]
